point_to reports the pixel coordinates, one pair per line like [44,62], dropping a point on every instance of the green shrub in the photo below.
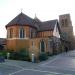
[55,52]
[22,54]
[0,54]
[14,55]
[3,53]
[49,54]
[43,56]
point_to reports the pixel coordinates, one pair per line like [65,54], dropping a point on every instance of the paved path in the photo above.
[62,64]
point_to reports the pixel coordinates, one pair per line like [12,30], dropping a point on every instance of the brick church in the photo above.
[37,36]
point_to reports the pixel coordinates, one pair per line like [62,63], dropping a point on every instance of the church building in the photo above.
[34,35]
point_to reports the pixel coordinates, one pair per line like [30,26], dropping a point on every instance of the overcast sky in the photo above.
[44,9]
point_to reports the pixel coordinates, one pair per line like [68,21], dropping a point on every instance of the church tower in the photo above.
[66,28]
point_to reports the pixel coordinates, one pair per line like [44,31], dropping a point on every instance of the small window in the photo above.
[63,22]
[32,43]
[10,33]
[66,22]
[42,46]
[21,33]
[30,33]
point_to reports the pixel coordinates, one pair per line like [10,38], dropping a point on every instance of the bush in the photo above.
[22,54]
[55,52]
[0,54]
[14,55]
[49,54]
[43,56]
[3,53]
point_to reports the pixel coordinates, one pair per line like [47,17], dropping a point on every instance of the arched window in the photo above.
[31,33]
[10,33]
[21,33]
[42,46]
[50,46]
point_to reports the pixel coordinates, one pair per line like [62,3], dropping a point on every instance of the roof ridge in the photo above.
[21,19]
[51,20]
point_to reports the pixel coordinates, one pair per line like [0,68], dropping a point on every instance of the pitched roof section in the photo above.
[48,25]
[21,19]
[36,19]
[37,23]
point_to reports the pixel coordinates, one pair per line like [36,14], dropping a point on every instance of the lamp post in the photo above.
[8,55]
[33,58]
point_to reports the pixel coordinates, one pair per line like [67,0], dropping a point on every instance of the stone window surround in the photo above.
[44,46]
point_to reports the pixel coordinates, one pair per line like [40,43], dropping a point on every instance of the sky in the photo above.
[44,10]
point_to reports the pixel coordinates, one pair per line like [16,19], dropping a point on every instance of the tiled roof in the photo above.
[21,19]
[37,23]
[48,25]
